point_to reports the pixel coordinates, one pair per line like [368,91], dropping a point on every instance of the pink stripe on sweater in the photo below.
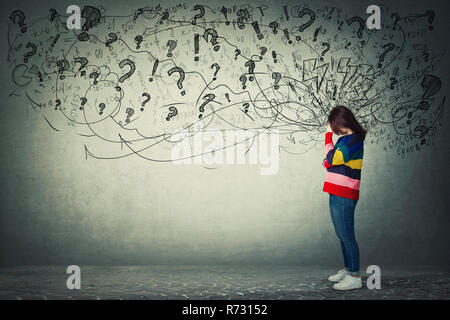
[342,180]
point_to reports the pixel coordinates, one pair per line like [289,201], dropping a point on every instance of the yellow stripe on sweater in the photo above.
[338,159]
[354,164]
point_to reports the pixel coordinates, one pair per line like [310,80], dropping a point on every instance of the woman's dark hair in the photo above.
[342,117]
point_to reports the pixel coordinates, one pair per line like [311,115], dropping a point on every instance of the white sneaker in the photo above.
[339,276]
[348,283]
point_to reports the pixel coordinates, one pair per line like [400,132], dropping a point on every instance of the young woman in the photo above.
[343,162]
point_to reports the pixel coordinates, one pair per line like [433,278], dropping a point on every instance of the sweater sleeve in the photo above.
[325,164]
[343,154]
[328,142]
[328,147]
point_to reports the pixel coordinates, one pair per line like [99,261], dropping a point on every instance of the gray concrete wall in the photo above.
[59,208]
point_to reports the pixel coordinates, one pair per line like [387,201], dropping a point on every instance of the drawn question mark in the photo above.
[274,25]
[242,15]
[83,61]
[243,80]
[393,82]
[326,50]
[173,113]
[146,100]
[94,75]
[198,15]
[388,47]
[396,18]
[138,40]
[21,18]
[172,45]
[180,79]
[209,97]
[63,65]
[83,102]
[112,38]
[263,51]
[360,21]
[430,85]
[215,65]
[129,113]
[246,106]
[214,36]
[30,53]
[57,104]
[127,62]
[251,68]
[237,53]
[102,107]
[277,77]
[312,18]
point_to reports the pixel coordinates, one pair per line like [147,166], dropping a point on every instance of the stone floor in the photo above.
[222,282]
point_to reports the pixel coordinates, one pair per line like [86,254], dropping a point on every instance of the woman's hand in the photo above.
[329,128]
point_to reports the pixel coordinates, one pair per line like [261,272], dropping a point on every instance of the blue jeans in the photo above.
[342,214]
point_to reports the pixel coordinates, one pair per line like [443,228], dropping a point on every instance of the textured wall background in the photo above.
[59,208]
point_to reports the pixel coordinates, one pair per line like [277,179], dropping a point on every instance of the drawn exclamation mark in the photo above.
[258,32]
[274,55]
[196,42]
[315,34]
[286,34]
[224,11]
[155,66]
[329,15]
[286,12]
[409,63]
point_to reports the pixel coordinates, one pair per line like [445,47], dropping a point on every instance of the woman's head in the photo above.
[341,119]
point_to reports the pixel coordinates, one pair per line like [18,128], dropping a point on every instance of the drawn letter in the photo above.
[374,21]
[74,20]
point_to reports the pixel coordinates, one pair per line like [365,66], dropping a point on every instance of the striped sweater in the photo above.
[343,162]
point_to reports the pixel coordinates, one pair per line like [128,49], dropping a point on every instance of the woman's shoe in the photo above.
[348,283]
[339,276]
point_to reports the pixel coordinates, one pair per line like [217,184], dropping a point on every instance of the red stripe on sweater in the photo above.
[326,164]
[341,191]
